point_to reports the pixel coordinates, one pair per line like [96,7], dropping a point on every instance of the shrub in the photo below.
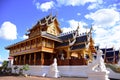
[26,67]
[16,68]
[114,67]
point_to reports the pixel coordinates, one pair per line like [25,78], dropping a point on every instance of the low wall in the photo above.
[75,71]
[70,71]
[113,74]
[34,70]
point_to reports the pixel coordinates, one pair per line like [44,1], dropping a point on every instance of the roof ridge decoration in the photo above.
[90,32]
[66,33]
[82,34]
[74,36]
[47,18]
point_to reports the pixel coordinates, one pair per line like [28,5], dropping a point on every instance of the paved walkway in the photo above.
[37,78]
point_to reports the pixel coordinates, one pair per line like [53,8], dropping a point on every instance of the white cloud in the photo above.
[76,2]
[95,5]
[52,4]
[106,26]
[73,26]
[24,37]
[8,31]
[104,17]
[45,6]
[78,14]
[108,37]
[114,6]
[92,6]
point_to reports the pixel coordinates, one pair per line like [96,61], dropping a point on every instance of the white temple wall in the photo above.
[70,71]
[76,71]
[34,70]
[114,75]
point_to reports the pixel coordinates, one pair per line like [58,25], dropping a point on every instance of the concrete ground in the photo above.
[37,78]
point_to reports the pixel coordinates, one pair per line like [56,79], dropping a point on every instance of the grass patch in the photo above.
[114,67]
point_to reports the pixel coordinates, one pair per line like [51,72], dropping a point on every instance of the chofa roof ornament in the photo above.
[74,36]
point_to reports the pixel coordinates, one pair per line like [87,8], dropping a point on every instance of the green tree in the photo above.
[4,66]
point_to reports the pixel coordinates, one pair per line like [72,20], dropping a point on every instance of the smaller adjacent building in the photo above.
[111,55]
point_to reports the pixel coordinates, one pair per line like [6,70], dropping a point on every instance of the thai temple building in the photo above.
[46,42]
[51,53]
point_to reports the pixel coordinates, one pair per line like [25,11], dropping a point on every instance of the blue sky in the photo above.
[16,16]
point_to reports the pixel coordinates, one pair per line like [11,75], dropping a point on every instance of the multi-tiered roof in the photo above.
[110,55]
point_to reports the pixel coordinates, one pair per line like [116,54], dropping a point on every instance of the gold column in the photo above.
[17,60]
[25,45]
[78,55]
[42,58]
[24,59]
[34,58]
[36,43]
[20,47]
[29,59]
[20,60]
[30,44]
[68,53]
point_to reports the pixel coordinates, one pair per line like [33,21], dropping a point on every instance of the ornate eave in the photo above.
[51,37]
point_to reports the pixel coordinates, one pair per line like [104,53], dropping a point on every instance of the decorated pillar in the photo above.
[34,58]
[68,53]
[30,44]
[29,59]
[79,55]
[25,59]
[42,58]
[16,60]
[20,60]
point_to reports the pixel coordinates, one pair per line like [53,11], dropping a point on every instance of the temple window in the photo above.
[49,44]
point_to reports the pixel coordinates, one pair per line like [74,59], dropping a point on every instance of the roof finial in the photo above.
[86,29]
[113,47]
[51,12]
[56,13]
[90,32]
[78,26]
